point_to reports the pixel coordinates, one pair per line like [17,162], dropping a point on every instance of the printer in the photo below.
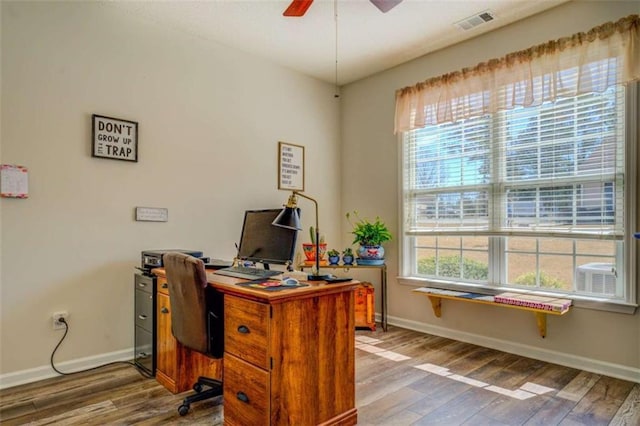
[153,258]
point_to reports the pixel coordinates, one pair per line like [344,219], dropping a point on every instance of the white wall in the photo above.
[210,119]
[599,341]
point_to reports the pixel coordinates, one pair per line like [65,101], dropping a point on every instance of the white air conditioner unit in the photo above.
[596,278]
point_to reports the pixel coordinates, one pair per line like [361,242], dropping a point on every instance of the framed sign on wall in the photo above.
[152,214]
[114,138]
[290,167]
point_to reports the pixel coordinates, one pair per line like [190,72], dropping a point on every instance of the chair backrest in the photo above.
[187,281]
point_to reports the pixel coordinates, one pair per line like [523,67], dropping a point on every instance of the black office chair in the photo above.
[196,317]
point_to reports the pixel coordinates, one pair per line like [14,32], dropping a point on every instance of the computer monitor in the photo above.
[263,242]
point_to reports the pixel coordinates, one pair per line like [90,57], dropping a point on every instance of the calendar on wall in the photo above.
[14,181]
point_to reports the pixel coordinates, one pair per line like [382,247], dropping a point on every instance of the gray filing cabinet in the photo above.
[145,322]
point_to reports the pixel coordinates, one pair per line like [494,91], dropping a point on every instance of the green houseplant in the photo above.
[369,235]
[334,256]
[347,256]
[312,234]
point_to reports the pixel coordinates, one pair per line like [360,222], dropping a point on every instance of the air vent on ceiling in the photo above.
[475,20]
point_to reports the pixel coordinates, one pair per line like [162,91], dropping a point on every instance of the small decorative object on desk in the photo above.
[334,256]
[370,236]
[347,256]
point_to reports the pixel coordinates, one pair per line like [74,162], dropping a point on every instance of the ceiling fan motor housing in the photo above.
[298,8]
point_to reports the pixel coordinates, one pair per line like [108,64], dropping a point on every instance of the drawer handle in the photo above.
[242,397]
[142,284]
[143,355]
[244,329]
[142,317]
[165,285]
[164,310]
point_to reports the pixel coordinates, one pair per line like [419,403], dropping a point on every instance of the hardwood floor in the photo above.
[402,378]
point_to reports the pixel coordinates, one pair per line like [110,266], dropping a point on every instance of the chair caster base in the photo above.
[183,409]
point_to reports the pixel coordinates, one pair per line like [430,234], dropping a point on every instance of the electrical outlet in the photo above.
[57,325]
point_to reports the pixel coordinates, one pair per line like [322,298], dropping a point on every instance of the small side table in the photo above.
[383,283]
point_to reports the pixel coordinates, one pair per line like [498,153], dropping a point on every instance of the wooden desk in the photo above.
[289,355]
[383,282]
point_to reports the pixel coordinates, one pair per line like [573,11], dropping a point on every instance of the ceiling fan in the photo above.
[299,7]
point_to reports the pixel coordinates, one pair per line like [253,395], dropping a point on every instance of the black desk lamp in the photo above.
[290,219]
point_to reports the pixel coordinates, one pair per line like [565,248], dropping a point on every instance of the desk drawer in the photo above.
[246,393]
[163,287]
[246,330]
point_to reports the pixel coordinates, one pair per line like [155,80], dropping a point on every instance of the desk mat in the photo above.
[267,285]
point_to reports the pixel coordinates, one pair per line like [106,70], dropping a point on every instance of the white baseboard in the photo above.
[568,360]
[599,367]
[45,372]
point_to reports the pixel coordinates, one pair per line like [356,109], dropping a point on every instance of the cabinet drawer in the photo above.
[144,283]
[246,393]
[144,348]
[246,330]
[364,306]
[144,310]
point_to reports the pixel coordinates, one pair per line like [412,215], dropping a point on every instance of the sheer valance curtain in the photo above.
[585,62]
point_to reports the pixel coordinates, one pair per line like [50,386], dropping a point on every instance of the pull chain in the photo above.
[335,17]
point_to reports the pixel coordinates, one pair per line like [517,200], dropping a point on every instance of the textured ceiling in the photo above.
[368,41]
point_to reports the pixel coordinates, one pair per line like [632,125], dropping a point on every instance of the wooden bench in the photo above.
[559,307]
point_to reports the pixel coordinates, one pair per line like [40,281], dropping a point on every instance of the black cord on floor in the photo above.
[66,330]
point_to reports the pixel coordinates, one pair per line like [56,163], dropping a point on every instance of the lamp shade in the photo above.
[288,218]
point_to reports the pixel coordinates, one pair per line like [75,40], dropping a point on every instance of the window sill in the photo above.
[578,301]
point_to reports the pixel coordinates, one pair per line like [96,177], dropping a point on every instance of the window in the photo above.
[529,198]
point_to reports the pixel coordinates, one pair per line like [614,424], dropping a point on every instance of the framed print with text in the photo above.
[290,167]
[114,138]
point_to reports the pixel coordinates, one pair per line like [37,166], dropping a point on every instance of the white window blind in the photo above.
[448,177]
[561,166]
[556,169]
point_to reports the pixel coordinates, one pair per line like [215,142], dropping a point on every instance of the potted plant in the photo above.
[370,235]
[310,248]
[347,256]
[334,256]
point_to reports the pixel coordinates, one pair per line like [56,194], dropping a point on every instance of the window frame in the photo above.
[408,255]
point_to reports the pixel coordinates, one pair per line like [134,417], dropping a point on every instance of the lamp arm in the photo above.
[300,194]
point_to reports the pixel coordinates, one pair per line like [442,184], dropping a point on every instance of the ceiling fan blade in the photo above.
[297,8]
[385,5]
